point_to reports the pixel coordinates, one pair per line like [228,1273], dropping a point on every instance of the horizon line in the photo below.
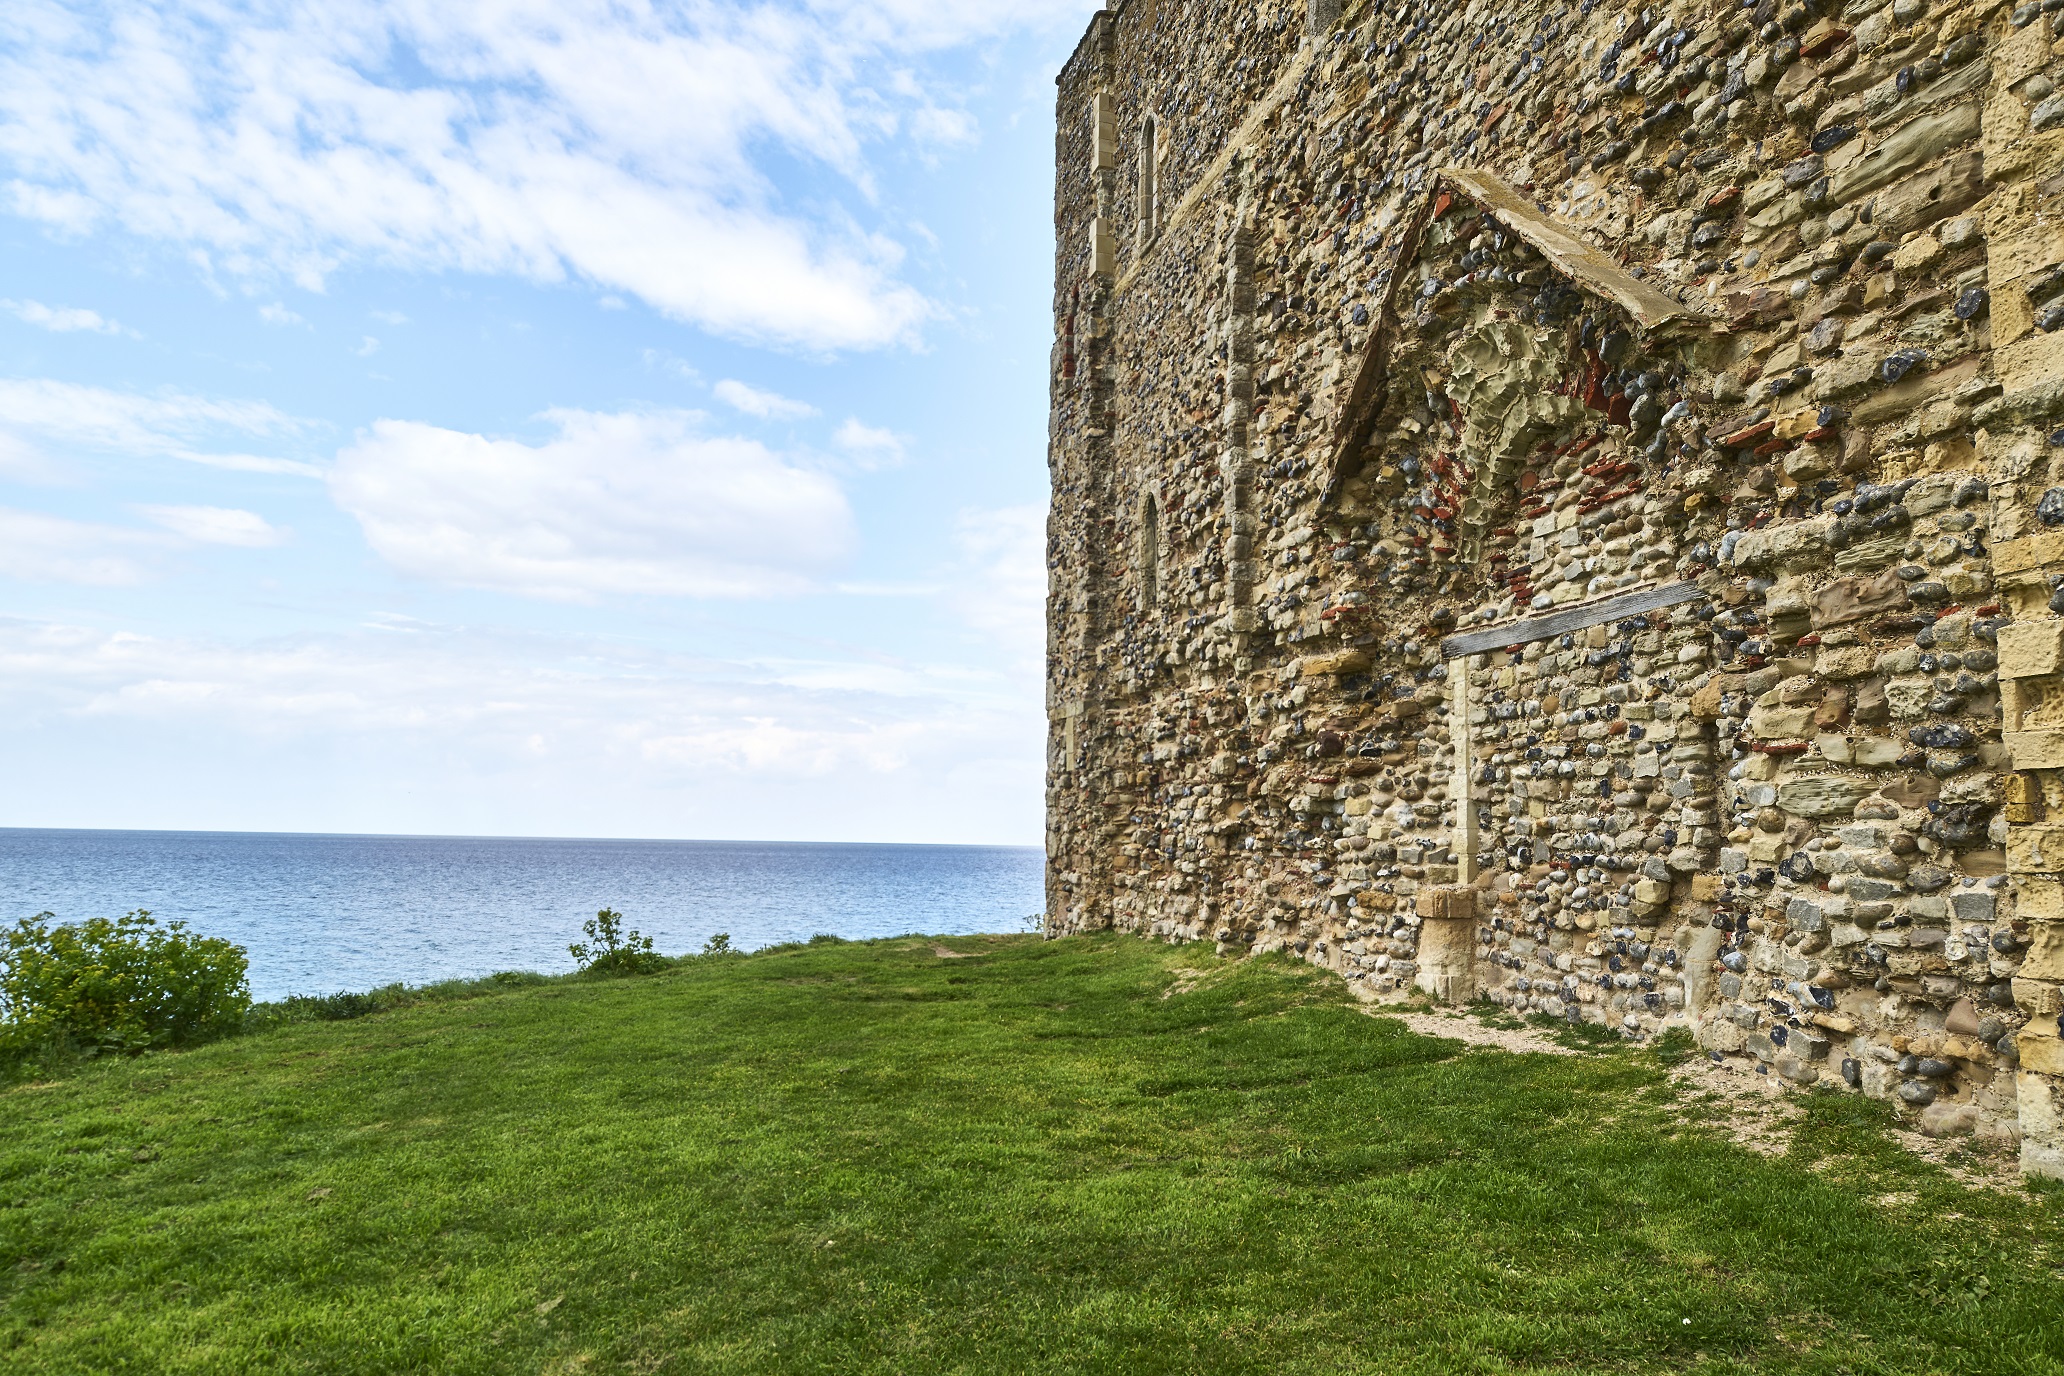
[464,836]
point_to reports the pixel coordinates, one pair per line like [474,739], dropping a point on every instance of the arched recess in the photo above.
[1518,401]
[1474,386]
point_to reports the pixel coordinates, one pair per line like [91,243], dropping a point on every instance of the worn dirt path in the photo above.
[1758,1111]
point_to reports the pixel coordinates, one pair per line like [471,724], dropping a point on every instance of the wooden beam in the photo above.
[1462,790]
[1571,256]
[1576,618]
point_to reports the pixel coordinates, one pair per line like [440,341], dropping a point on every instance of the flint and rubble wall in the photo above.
[1434,322]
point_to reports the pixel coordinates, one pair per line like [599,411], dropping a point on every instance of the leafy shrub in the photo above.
[720,945]
[610,950]
[342,1007]
[338,1007]
[117,984]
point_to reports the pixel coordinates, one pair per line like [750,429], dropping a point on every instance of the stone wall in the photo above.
[1559,504]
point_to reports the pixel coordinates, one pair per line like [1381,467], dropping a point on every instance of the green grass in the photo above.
[862,1158]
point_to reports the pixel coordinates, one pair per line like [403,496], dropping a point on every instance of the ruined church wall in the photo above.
[1335,427]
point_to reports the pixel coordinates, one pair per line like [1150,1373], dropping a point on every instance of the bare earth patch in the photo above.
[1987,1163]
[1757,1111]
[1192,978]
[1459,1027]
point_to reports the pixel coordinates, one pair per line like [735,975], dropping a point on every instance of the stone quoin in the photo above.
[1561,504]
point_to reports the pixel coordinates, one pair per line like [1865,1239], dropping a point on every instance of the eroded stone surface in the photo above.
[1443,318]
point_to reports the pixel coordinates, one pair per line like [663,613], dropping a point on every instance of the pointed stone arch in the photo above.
[1476,381]
[1581,266]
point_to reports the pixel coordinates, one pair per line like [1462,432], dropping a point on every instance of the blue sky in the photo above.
[526,416]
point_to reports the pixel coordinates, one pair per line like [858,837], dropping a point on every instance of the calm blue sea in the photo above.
[324,913]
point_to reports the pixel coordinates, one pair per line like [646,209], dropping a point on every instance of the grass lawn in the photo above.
[1072,1156]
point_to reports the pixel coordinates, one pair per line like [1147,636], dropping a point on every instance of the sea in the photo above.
[320,914]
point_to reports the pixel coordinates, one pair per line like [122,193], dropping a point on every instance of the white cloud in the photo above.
[1000,587]
[637,502]
[666,362]
[939,128]
[755,402]
[367,347]
[39,548]
[38,412]
[216,525]
[389,317]
[421,724]
[64,319]
[727,714]
[273,313]
[50,549]
[24,462]
[619,144]
[870,446]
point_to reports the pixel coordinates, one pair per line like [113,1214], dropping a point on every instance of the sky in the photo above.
[526,417]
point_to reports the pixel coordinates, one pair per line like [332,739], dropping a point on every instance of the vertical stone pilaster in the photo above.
[2031,668]
[1460,789]
[1080,535]
[1237,461]
[2022,239]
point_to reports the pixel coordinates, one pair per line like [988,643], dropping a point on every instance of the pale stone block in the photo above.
[1791,542]
[1103,248]
[2020,54]
[2045,958]
[1104,132]
[2031,649]
[2040,1108]
[1848,661]
[2041,899]
[2030,247]
[1339,662]
[1917,254]
[2036,849]
[2038,998]
[1909,697]
[2030,359]
[2042,1054]
[2028,553]
[1781,723]
[2036,749]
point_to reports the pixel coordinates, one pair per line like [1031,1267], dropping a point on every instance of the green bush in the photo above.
[338,1007]
[116,984]
[343,1007]
[610,950]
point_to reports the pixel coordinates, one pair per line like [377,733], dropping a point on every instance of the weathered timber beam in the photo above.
[1568,619]
[1571,256]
